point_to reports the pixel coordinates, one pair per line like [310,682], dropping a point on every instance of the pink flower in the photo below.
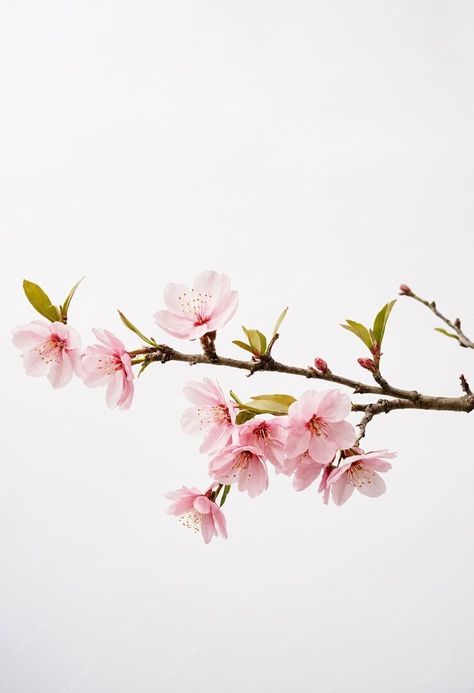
[109,364]
[196,511]
[360,471]
[212,414]
[305,470]
[315,424]
[268,437]
[49,348]
[190,313]
[240,464]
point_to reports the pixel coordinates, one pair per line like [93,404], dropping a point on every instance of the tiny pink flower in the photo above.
[268,437]
[49,348]
[190,313]
[360,472]
[315,424]
[212,414]
[198,512]
[109,364]
[305,470]
[241,464]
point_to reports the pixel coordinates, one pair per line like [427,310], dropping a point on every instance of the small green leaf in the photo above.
[244,416]
[132,327]
[242,345]
[257,341]
[448,334]
[67,302]
[145,364]
[269,404]
[279,321]
[225,493]
[360,331]
[40,301]
[380,322]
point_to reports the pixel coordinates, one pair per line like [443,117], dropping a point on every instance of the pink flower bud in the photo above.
[368,364]
[404,289]
[321,364]
[457,323]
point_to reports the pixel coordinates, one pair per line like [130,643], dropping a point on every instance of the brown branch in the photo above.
[463,340]
[403,399]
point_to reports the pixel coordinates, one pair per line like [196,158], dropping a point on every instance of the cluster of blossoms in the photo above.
[311,439]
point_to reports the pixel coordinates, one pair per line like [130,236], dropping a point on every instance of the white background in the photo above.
[319,153]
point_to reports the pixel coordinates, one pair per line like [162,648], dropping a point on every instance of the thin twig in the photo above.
[455,325]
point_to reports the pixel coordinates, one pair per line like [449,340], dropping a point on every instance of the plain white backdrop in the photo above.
[319,153]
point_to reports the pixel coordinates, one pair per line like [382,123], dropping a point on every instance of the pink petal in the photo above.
[114,388]
[175,325]
[216,437]
[341,490]
[219,521]
[202,505]
[176,296]
[334,406]
[305,474]
[297,444]
[342,433]
[321,449]
[207,527]
[373,488]
[34,364]
[60,372]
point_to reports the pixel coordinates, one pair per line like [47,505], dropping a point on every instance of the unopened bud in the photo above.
[321,364]
[368,364]
[404,289]
[457,323]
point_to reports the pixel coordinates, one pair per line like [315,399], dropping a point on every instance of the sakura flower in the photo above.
[49,348]
[109,364]
[360,472]
[268,437]
[315,424]
[241,464]
[212,414]
[198,512]
[190,313]
[305,470]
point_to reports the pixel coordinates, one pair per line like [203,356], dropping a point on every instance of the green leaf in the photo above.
[242,345]
[225,493]
[279,321]
[448,334]
[360,331]
[67,302]
[144,365]
[269,404]
[132,327]
[380,321]
[40,301]
[244,416]
[257,341]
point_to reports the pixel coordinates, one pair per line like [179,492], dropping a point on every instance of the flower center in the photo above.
[110,364]
[194,305]
[52,348]
[317,426]
[360,476]
[261,431]
[191,519]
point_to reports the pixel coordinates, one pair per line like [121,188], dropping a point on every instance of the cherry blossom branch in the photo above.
[404,399]
[455,325]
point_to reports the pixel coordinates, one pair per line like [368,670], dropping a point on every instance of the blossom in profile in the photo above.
[359,472]
[268,436]
[207,306]
[198,512]
[49,348]
[109,364]
[316,425]
[243,465]
[211,414]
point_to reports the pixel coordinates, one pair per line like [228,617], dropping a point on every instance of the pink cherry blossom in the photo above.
[360,472]
[305,470]
[196,511]
[241,464]
[190,313]
[109,364]
[212,414]
[315,424]
[49,348]
[268,436]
